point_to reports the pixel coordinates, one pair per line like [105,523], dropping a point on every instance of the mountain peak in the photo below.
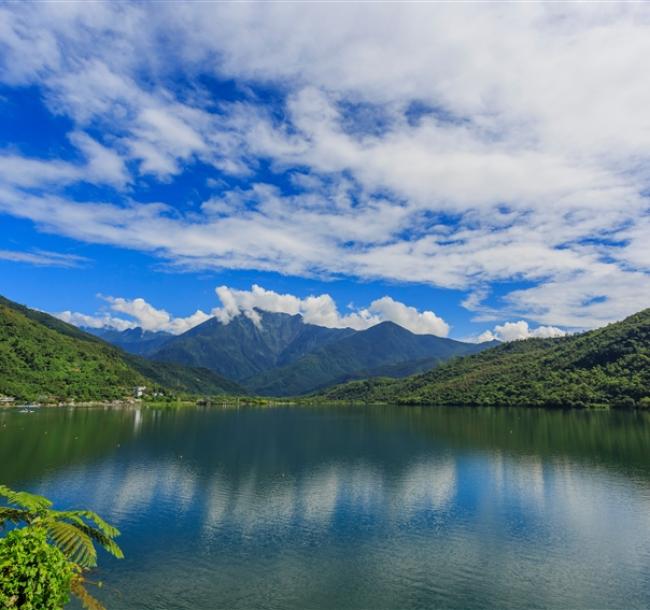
[279,353]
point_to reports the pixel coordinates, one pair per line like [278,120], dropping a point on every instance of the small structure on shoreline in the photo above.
[139,391]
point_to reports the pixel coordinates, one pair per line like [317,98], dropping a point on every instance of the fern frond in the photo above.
[24,499]
[106,528]
[13,515]
[74,543]
[103,534]
[107,543]
[75,515]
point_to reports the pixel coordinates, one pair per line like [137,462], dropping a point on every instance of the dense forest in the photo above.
[609,366]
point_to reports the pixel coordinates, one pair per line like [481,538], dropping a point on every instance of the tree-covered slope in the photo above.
[384,349]
[42,357]
[608,366]
[180,378]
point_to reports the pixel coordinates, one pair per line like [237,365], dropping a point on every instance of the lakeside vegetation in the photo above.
[606,367]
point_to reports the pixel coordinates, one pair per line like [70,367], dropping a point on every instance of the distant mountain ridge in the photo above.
[282,355]
[133,340]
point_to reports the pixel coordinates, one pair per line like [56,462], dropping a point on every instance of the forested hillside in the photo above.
[609,366]
[43,358]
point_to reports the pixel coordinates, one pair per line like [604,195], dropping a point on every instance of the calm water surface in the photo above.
[352,507]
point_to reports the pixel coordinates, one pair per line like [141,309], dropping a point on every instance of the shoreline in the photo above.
[139,403]
[236,402]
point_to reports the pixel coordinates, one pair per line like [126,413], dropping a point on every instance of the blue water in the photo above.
[351,507]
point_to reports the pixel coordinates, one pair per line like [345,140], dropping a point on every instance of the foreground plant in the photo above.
[47,556]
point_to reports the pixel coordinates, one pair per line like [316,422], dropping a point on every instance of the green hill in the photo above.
[609,366]
[42,357]
[180,378]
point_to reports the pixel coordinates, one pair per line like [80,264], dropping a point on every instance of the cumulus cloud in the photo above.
[95,321]
[323,311]
[320,310]
[140,314]
[516,331]
[419,322]
[149,318]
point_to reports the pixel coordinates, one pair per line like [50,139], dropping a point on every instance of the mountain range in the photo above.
[43,358]
[609,366]
[279,354]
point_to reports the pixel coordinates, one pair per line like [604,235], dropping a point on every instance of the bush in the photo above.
[33,574]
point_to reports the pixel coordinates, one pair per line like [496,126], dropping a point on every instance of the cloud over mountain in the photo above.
[516,331]
[320,310]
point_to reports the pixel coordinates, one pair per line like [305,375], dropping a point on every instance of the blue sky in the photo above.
[467,177]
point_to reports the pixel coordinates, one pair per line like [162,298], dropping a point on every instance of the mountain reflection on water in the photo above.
[352,507]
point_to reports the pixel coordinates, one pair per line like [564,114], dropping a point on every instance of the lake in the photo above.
[341,507]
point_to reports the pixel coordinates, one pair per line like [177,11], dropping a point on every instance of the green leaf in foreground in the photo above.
[47,556]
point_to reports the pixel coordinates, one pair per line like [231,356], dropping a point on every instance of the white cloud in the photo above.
[484,337]
[422,323]
[528,159]
[150,318]
[516,331]
[602,294]
[140,314]
[43,258]
[94,321]
[102,166]
[20,171]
